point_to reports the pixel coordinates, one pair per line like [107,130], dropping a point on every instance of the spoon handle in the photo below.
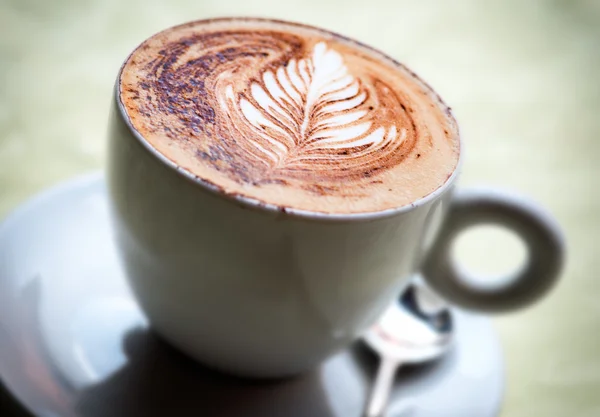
[380,393]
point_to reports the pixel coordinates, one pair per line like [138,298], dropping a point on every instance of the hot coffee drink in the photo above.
[289,115]
[305,128]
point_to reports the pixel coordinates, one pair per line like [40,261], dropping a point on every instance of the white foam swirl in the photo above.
[306,108]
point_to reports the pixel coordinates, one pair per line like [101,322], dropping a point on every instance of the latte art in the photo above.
[310,115]
[289,115]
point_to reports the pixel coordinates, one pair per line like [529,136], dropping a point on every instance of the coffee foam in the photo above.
[289,115]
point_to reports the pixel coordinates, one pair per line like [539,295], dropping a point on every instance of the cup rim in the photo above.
[254,203]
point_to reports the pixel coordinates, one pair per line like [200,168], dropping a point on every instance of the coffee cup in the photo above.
[261,254]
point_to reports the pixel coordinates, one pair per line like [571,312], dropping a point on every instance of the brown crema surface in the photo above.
[289,115]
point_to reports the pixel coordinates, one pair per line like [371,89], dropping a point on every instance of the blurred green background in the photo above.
[523,78]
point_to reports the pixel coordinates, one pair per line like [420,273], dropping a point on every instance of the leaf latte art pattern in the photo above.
[311,114]
[288,115]
[270,109]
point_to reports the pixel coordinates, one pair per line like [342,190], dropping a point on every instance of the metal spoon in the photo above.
[416,329]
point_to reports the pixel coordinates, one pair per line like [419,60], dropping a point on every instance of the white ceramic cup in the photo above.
[256,291]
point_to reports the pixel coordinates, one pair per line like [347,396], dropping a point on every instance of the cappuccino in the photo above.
[289,115]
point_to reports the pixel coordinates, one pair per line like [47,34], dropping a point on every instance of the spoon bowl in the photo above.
[416,329]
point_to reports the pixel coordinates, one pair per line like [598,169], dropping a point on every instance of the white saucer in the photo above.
[74,343]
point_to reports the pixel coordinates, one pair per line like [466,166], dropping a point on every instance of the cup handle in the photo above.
[539,231]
